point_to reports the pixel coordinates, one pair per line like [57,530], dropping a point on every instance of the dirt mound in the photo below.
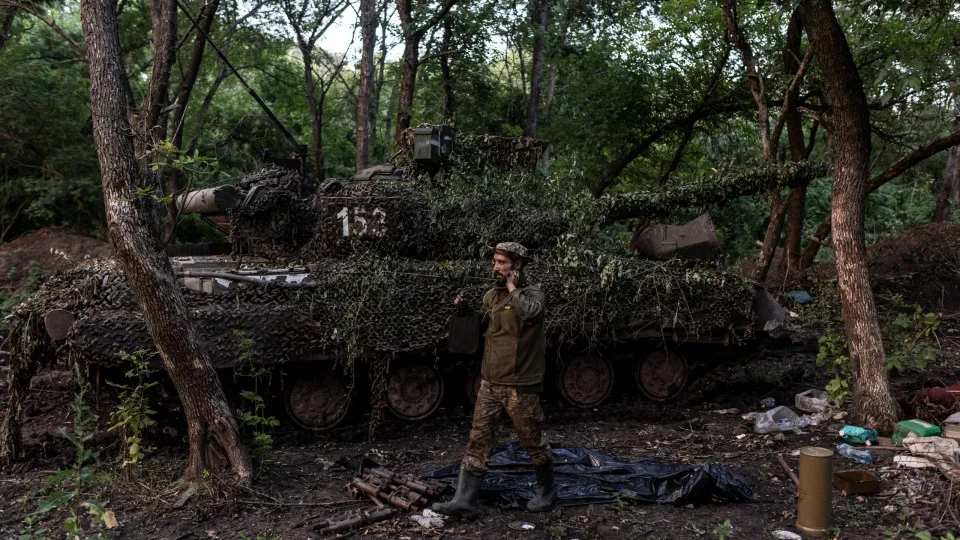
[922,264]
[16,257]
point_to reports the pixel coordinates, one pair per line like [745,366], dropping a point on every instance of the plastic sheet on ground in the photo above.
[584,476]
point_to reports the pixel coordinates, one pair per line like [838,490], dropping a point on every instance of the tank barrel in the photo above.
[215,200]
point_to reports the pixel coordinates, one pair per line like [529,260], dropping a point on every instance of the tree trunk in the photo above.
[768,146]
[391,106]
[412,35]
[951,177]
[316,114]
[408,83]
[902,165]
[205,20]
[9,14]
[796,200]
[555,59]
[539,13]
[135,233]
[368,29]
[374,114]
[778,210]
[951,174]
[445,75]
[873,405]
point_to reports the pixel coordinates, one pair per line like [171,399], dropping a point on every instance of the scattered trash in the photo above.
[913,462]
[800,297]
[849,452]
[585,476]
[812,401]
[429,519]
[953,419]
[947,395]
[855,435]
[732,410]
[766,403]
[918,428]
[783,419]
[786,535]
[889,509]
[942,453]
[521,525]
[752,416]
[951,431]
[856,482]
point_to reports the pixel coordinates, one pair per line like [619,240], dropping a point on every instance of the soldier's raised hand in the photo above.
[459,301]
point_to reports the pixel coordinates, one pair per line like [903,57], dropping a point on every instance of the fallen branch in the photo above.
[790,472]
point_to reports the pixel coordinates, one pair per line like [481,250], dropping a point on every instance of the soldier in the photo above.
[512,379]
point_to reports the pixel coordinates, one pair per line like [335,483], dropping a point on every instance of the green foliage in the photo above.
[67,489]
[925,535]
[834,356]
[133,414]
[252,415]
[35,276]
[910,342]
[723,531]
[910,338]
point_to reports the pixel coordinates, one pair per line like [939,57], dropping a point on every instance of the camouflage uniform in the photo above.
[523,408]
[512,371]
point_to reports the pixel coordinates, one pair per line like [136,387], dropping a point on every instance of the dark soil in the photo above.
[36,246]
[306,473]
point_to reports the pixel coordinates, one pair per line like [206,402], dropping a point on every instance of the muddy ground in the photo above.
[306,472]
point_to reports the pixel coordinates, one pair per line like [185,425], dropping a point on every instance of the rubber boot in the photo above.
[546,499]
[464,502]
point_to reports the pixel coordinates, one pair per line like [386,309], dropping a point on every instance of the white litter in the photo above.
[913,462]
[787,535]
[429,519]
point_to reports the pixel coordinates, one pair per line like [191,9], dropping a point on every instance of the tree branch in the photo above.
[754,77]
[782,117]
[438,55]
[895,170]
[432,21]
[49,22]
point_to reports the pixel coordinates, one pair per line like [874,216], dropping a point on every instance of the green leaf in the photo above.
[54,500]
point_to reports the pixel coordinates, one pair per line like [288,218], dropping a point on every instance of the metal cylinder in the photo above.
[816,490]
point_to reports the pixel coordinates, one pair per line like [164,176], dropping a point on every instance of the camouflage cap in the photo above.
[512,249]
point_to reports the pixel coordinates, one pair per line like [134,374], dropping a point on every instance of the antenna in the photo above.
[299,149]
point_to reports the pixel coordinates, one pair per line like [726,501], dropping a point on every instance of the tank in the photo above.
[344,288]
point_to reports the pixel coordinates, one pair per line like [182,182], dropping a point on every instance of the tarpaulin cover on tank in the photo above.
[584,476]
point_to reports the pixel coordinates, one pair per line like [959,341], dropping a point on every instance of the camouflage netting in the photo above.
[356,308]
[492,151]
[280,219]
[488,191]
[725,186]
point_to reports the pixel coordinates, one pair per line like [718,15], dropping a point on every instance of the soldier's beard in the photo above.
[501,279]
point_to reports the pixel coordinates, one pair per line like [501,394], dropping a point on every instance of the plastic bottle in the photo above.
[854,434]
[849,452]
